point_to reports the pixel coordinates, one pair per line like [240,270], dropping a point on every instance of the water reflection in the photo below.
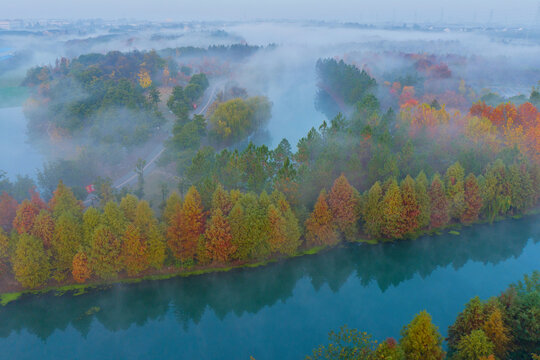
[250,290]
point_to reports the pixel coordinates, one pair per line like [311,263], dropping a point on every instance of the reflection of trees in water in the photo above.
[249,290]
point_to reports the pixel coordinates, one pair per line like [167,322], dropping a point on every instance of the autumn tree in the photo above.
[114,219]
[343,203]
[4,251]
[43,228]
[63,200]
[104,253]
[91,220]
[320,228]
[471,318]
[439,205]
[30,263]
[411,209]
[65,243]
[284,235]
[372,211]
[392,212]
[188,225]
[8,210]
[151,233]
[420,340]
[25,217]
[173,206]
[474,346]
[221,199]
[473,200]
[134,247]
[497,333]
[218,238]
[81,269]
[128,205]
[424,206]
[455,191]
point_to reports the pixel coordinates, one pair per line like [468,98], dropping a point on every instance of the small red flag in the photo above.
[90,188]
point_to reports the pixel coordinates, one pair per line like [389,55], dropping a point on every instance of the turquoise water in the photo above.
[280,311]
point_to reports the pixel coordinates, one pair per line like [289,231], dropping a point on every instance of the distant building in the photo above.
[4,25]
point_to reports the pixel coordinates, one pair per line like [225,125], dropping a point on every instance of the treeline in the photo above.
[112,97]
[503,327]
[234,51]
[62,241]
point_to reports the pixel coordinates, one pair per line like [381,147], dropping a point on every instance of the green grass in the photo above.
[9,297]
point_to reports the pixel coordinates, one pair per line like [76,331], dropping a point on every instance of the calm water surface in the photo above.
[17,156]
[280,311]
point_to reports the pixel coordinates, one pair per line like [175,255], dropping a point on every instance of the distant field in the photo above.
[11,93]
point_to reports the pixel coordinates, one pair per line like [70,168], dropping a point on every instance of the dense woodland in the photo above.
[366,175]
[503,327]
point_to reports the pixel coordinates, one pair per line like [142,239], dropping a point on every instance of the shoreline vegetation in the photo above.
[350,179]
[80,289]
[501,327]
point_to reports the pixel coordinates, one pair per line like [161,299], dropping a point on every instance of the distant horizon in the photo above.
[519,12]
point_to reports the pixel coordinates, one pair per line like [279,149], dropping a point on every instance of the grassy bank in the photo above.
[79,289]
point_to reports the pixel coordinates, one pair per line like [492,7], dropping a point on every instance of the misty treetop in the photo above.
[111,97]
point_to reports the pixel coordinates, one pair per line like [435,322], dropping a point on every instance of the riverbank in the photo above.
[7,297]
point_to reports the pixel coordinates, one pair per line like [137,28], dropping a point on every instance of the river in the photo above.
[280,311]
[17,157]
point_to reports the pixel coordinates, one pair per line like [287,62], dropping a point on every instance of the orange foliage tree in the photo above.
[343,203]
[320,228]
[80,269]
[218,238]
[24,219]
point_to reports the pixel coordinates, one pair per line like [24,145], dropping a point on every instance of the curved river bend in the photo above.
[279,311]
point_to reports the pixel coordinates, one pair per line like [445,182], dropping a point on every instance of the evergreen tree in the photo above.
[128,205]
[91,220]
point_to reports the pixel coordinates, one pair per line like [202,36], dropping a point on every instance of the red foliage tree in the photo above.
[320,228]
[24,220]
[343,203]
[439,203]
[219,239]
[473,200]
[186,227]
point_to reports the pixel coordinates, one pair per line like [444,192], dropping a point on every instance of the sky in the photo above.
[523,12]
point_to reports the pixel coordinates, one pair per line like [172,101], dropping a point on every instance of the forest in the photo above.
[256,204]
[501,327]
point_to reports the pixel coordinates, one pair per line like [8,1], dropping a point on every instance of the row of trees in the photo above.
[504,327]
[60,239]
